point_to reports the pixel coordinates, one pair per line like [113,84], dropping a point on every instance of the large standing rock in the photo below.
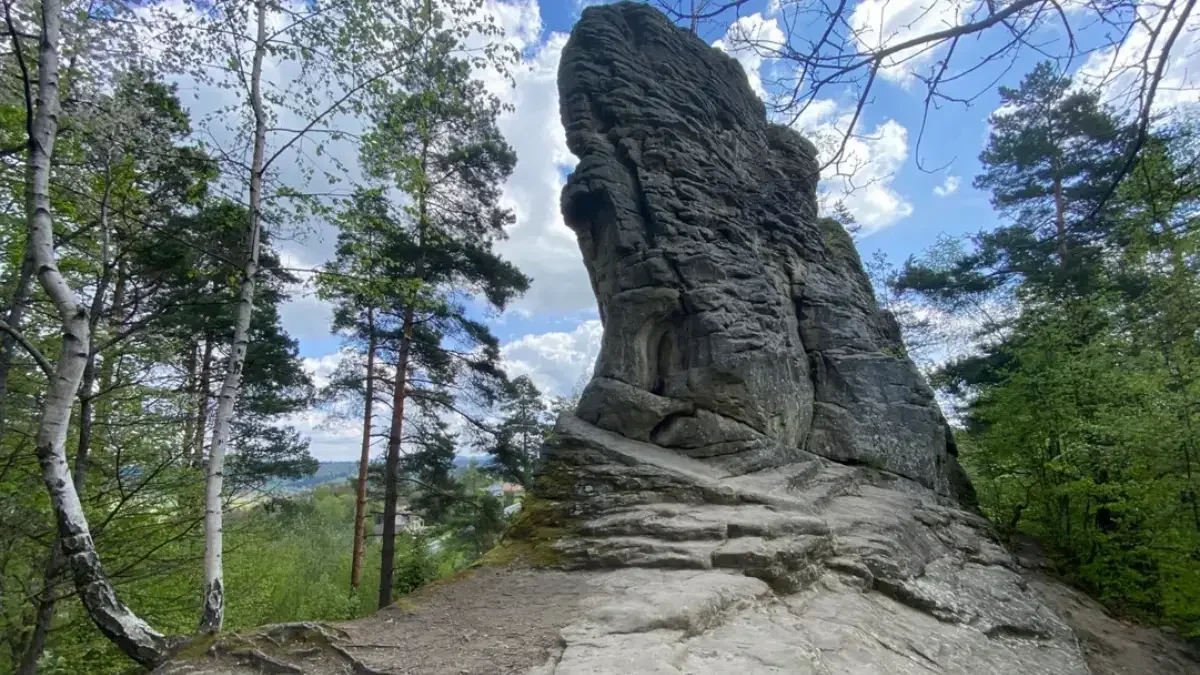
[739,326]
[757,469]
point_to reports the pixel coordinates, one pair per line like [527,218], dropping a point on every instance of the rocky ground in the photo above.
[666,566]
[497,621]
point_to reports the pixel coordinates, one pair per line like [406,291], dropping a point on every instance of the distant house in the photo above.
[406,521]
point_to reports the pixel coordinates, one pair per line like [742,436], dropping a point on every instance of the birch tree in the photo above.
[41,89]
[1135,53]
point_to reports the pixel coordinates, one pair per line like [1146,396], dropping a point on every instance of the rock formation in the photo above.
[755,456]
[740,327]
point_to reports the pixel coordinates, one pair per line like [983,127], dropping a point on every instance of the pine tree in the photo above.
[1050,160]
[1078,408]
[353,283]
[516,448]
[438,143]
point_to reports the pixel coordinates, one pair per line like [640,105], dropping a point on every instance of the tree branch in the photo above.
[41,360]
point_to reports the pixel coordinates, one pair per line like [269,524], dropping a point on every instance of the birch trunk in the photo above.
[213,612]
[360,500]
[129,632]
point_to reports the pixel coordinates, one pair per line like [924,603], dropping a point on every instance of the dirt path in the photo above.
[502,621]
[489,622]
[1113,646]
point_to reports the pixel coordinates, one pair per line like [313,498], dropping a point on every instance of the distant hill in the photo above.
[327,472]
[331,472]
[461,462]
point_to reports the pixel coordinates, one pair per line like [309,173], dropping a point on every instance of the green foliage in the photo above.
[415,565]
[516,447]
[1078,399]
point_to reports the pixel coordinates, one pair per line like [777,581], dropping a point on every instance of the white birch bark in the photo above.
[129,632]
[212,614]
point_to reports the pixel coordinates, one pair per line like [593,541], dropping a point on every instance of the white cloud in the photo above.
[1118,72]
[540,243]
[330,439]
[557,362]
[747,40]
[334,434]
[948,187]
[321,368]
[862,178]
[878,24]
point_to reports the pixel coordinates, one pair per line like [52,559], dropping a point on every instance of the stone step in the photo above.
[691,522]
[615,552]
[787,563]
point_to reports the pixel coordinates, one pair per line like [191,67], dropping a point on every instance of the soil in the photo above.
[487,622]
[1113,646]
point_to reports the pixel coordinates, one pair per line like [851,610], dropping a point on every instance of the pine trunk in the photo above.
[392,466]
[212,614]
[360,501]
[191,386]
[1060,220]
[129,632]
[200,426]
[396,434]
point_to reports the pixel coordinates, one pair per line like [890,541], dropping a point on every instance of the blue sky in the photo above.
[553,333]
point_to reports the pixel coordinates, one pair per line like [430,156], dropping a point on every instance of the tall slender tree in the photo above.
[342,52]
[132,634]
[352,281]
[438,143]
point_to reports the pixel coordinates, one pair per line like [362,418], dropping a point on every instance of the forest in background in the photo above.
[1065,344]
[145,378]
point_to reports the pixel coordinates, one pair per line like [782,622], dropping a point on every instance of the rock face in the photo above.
[759,472]
[740,328]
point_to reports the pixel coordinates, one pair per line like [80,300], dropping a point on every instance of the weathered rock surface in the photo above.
[739,327]
[758,467]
